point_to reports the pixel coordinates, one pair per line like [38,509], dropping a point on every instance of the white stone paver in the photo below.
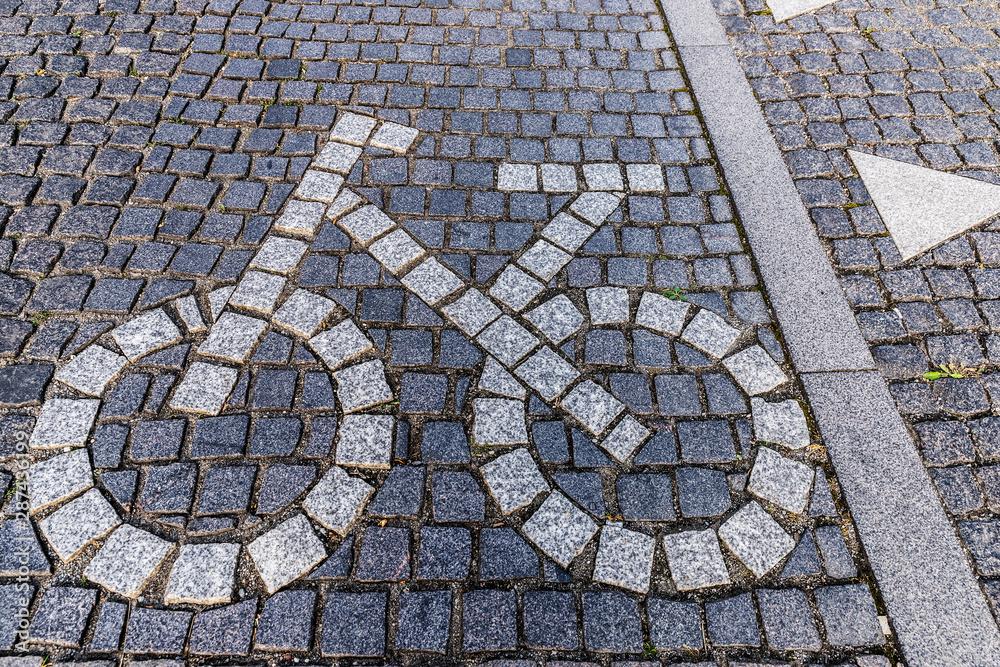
[190,314]
[560,529]
[432,281]
[517,177]
[782,423]
[594,407]
[500,421]
[344,203]
[395,137]
[608,305]
[496,380]
[233,337]
[64,422]
[258,291]
[279,255]
[756,539]
[780,480]
[595,207]
[59,478]
[217,300]
[303,313]
[695,560]
[366,224]
[544,260]
[79,522]
[337,156]
[472,311]
[366,441]
[147,333]
[710,333]
[755,370]
[396,250]
[202,574]
[661,313]
[337,500]
[515,288]
[507,340]
[362,386]
[557,318]
[547,373]
[286,552]
[204,388]
[353,128]
[90,371]
[625,438]
[558,178]
[603,176]
[127,560]
[567,232]
[645,177]
[514,480]
[320,186]
[302,217]
[624,558]
[340,344]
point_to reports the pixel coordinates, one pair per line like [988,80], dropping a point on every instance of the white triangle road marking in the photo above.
[782,10]
[923,207]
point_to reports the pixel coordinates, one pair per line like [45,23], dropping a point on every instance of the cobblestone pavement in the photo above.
[404,332]
[913,81]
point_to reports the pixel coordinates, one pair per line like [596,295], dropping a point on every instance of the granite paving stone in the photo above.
[64,423]
[624,558]
[499,421]
[783,423]
[755,370]
[257,291]
[340,343]
[756,539]
[362,386]
[127,560]
[147,333]
[204,388]
[61,616]
[90,371]
[224,630]
[286,621]
[59,478]
[76,524]
[424,621]
[560,529]
[354,624]
[695,559]
[514,480]
[286,552]
[335,501]
[547,373]
[233,337]
[674,625]
[710,333]
[608,305]
[202,574]
[780,480]
[365,440]
[496,380]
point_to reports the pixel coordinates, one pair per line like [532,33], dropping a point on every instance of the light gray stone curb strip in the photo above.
[939,613]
